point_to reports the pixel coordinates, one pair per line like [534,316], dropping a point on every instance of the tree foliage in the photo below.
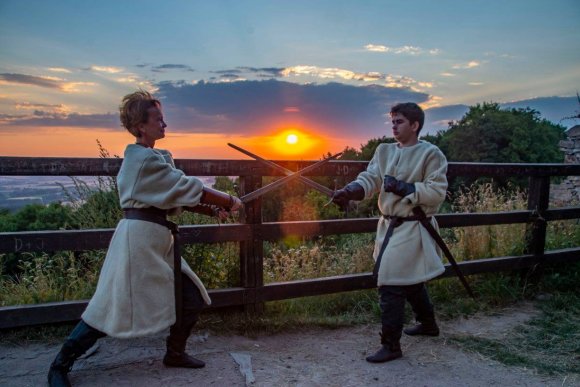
[489,134]
[36,217]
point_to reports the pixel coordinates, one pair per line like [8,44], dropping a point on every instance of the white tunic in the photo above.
[135,292]
[412,256]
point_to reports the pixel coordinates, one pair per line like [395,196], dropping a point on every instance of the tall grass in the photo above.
[294,259]
[48,278]
[489,241]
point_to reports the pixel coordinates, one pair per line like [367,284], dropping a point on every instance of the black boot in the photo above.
[80,340]
[176,356]
[176,342]
[178,333]
[391,349]
[426,327]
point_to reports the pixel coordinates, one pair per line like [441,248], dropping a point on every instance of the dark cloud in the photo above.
[232,71]
[31,80]
[550,108]
[261,72]
[30,105]
[230,76]
[438,118]
[170,66]
[41,118]
[248,107]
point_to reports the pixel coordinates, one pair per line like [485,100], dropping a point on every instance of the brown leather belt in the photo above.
[159,216]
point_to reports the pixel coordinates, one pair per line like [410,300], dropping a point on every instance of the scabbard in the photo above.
[177,278]
[418,211]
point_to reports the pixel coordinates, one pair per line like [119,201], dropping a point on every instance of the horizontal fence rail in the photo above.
[80,240]
[70,166]
[252,233]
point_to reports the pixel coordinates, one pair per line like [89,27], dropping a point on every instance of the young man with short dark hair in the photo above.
[407,174]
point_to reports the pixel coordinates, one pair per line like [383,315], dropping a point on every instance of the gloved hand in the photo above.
[398,187]
[352,191]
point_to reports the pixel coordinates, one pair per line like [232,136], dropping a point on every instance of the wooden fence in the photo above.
[252,292]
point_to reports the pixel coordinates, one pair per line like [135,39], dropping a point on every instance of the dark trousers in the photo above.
[392,302]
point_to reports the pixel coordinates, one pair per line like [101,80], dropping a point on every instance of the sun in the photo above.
[292,138]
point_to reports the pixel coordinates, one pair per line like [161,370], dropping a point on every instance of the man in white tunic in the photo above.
[406,174]
[135,294]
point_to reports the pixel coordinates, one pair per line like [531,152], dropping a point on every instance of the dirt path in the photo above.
[316,357]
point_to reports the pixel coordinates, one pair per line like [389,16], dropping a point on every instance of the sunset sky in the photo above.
[253,72]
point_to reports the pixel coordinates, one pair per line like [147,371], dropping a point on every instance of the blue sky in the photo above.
[245,69]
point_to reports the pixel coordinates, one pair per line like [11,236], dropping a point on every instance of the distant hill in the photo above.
[550,108]
[19,191]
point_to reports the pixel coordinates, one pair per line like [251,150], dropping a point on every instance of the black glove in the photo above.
[398,187]
[352,191]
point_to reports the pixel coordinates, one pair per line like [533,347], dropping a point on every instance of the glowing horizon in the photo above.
[74,142]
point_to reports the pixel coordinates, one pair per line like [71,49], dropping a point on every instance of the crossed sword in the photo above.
[327,191]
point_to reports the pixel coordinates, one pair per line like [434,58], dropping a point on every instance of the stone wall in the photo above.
[568,191]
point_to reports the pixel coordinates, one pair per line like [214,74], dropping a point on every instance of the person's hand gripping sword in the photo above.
[352,191]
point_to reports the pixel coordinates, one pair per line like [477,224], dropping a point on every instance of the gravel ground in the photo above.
[313,357]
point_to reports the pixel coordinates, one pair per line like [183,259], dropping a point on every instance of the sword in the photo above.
[287,172]
[264,190]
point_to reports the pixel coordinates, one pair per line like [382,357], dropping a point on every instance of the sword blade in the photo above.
[287,172]
[270,187]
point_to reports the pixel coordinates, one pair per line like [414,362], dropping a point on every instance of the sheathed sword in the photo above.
[272,186]
[418,211]
[287,172]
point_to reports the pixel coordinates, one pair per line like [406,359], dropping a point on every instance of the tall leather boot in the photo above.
[424,314]
[426,327]
[176,342]
[79,341]
[391,346]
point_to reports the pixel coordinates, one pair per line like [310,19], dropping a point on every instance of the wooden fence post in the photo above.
[538,202]
[252,251]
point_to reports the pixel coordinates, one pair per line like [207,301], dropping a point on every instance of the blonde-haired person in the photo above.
[135,295]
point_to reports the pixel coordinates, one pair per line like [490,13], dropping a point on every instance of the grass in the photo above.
[548,343]
[328,311]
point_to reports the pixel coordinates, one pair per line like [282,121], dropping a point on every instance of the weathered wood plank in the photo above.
[538,202]
[513,169]
[279,230]
[482,218]
[490,265]
[319,286]
[562,213]
[80,240]
[252,250]
[66,311]
[70,166]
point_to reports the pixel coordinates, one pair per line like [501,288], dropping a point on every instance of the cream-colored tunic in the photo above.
[135,294]
[412,256]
